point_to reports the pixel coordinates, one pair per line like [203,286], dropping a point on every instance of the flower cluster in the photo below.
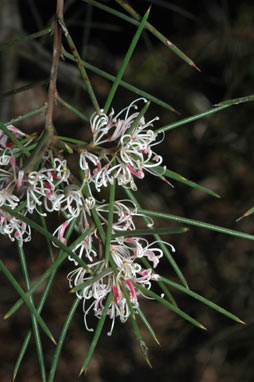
[133,151]
[121,151]
[126,272]
[43,190]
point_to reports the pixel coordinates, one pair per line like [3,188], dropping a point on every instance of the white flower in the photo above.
[4,138]
[8,199]
[85,248]
[125,253]
[14,228]
[100,125]
[122,213]
[69,200]
[61,171]
[133,154]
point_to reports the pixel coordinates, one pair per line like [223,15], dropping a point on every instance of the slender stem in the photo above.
[191,118]
[43,298]
[79,64]
[54,69]
[126,61]
[138,118]
[97,334]
[124,84]
[26,300]
[71,108]
[157,34]
[161,244]
[36,332]
[202,299]
[26,115]
[198,223]
[9,44]
[110,222]
[62,338]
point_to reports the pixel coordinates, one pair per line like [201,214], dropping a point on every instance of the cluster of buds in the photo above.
[121,151]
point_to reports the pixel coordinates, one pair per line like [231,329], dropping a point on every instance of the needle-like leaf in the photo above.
[9,44]
[124,84]
[110,221]
[80,65]
[26,300]
[36,332]
[174,308]
[198,223]
[126,61]
[97,334]
[61,339]
[218,107]
[201,299]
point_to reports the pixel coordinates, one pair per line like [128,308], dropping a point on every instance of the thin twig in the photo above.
[54,68]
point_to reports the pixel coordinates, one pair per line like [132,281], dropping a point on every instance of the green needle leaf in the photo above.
[125,61]
[44,225]
[147,325]
[24,88]
[124,84]
[174,308]
[97,334]
[150,231]
[26,300]
[246,213]
[160,242]
[112,190]
[61,339]
[174,175]
[26,115]
[191,119]
[42,300]
[140,340]
[48,235]
[198,223]
[9,44]
[71,140]
[157,34]
[92,280]
[138,118]
[52,269]
[72,108]
[236,101]
[97,222]
[135,20]
[80,65]
[36,332]
[201,299]
[218,107]
[21,354]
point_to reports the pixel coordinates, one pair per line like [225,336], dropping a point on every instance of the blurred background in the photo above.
[216,152]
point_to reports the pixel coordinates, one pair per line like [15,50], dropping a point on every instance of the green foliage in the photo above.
[35,150]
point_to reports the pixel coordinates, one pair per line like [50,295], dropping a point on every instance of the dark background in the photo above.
[216,152]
